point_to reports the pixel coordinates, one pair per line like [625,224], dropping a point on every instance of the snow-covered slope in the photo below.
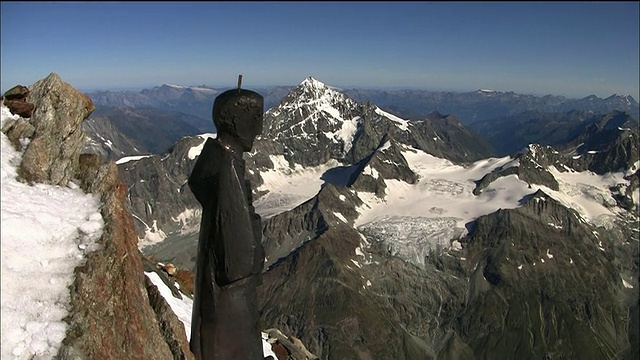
[46,232]
[414,219]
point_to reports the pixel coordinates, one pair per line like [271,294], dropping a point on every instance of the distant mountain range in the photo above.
[481,105]
[396,238]
[509,134]
[469,107]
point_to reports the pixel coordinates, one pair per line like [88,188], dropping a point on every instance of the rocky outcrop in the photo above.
[16,99]
[530,165]
[285,232]
[288,347]
[52,153]
[110,312]
[610,144]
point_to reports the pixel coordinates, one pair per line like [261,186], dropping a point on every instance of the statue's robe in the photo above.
[229,261]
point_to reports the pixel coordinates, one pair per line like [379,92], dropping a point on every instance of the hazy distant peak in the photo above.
[625,97]
[194,88]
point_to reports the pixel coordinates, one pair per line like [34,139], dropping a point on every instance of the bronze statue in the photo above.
[230,255]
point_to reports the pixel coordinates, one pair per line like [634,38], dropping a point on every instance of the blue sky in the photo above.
[573,48]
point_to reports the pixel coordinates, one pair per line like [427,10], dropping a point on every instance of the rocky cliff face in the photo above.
[111,316]
[53,149]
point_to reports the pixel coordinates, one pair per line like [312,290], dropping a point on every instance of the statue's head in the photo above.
[238,113]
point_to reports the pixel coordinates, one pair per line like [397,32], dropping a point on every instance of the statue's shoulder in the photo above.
[209,160]
[211,150]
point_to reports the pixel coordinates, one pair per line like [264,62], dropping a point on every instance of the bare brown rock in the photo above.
[20,107]
[52,155]
[111,317]
[18,92]
[19,132]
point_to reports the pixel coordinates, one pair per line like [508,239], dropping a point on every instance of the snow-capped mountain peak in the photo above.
[311,108]
[311,91]
[311,82]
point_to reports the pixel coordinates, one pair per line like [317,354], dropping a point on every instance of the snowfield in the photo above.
[46,232]
[414,219]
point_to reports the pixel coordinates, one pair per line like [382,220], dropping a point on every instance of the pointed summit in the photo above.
[311,82]
[311,89]
[314,96]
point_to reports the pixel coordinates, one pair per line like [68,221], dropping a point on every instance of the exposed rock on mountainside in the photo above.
[530,165]
[608,145]
[533,275]
[110,315]
[318,118]
[52,153]
[158,194]
[16,99]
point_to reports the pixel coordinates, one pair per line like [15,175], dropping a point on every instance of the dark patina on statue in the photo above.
[230,256]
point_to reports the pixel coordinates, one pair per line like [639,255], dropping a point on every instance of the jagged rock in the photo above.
[530,165]
[158,192]
[285,232]
[170,269]
[19,132]
[17,92]
[52,154]
[16,100]
[20,107]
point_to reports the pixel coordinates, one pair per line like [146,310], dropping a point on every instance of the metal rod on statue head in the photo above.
[239,83]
